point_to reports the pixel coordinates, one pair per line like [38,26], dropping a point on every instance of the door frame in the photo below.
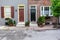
[30,11]
[18,12]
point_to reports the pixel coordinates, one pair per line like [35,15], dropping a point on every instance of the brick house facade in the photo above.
[40,5]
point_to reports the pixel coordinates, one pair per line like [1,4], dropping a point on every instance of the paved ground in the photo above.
[24,28]
[30,34]
[44,35]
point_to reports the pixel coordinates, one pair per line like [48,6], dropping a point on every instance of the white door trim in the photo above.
[18,12]
[36,11]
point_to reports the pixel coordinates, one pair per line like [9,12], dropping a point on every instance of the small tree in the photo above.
[55,7]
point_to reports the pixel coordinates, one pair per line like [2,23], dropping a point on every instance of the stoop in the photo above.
[21,24]
[33,24]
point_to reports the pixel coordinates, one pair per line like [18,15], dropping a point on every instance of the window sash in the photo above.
[7,9]
[7,15]
[7,12]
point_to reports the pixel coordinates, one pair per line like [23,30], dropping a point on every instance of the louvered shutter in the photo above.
[12,12]
[2,12]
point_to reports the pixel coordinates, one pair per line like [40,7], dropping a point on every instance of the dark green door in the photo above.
[33,14]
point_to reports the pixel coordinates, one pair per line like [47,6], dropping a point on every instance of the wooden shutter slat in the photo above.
[12,12]
[2,12]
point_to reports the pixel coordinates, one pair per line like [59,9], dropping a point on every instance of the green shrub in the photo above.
[27,23]
[14,23]
[11,22]
[41,20]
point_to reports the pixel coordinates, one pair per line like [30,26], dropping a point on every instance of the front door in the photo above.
[33,13]
[21,15]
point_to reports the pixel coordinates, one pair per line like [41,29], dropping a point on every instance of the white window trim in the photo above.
[50,11]
[43,10]
[36,11]
[4,11]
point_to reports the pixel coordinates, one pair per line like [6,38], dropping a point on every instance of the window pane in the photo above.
[50,13]
[7,9]
[42,8]
[46,10]
[7,15]
[41,11]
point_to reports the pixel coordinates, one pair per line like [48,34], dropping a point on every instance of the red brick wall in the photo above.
[38,3]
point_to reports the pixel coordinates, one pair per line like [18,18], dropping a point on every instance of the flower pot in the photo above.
[10,24]
[40,24]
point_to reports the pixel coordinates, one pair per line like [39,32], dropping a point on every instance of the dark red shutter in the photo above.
[12,12]
[2,12]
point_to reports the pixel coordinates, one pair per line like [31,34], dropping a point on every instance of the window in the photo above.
[45,11]
[7,12]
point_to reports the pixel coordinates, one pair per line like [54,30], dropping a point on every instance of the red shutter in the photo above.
[2,12]
[12,12]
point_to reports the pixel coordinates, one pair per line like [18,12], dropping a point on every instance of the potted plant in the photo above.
[10,22]
[14,23]
[47,16]
[27,23]
[7,18]
[41,21]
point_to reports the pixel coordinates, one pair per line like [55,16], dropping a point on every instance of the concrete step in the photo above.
[33,25]
[21,24]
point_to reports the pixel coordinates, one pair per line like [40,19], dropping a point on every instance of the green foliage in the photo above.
[14,23]
[27,23]
[41,19]
[11,22]
[55,7]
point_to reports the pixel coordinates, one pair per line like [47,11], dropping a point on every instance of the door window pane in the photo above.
[21,7]
[32,7]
